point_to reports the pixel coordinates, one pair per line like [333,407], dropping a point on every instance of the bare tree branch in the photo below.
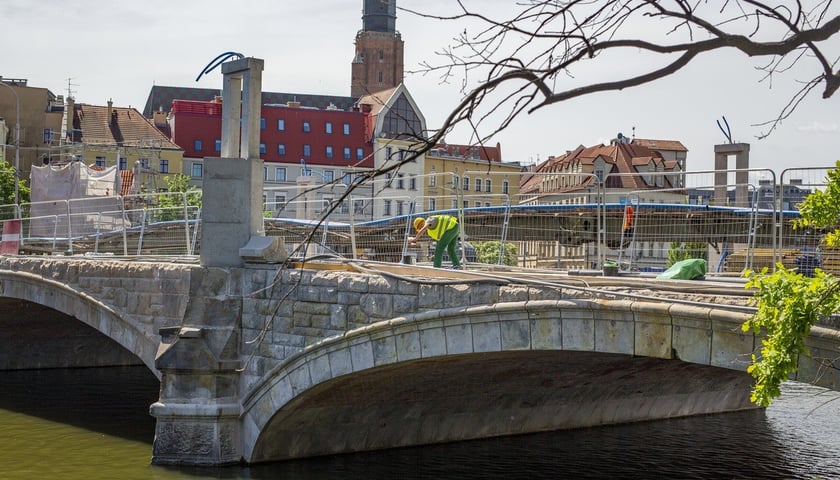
[523,62]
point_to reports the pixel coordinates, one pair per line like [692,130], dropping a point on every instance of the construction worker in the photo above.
[444,229]
[629,221]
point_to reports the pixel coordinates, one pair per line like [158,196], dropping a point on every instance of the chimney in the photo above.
[70,115]
[159,118]
[110,112]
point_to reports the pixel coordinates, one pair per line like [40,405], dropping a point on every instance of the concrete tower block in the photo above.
[741,151]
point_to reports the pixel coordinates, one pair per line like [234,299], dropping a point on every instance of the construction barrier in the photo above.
[10,244]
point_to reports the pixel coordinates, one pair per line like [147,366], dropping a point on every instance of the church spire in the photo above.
[378,62]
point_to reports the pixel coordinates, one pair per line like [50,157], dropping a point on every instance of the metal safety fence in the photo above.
[735,220]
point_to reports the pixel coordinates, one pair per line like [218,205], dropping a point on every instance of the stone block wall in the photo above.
[285,311]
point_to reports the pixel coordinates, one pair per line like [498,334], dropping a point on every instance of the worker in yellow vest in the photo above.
[443,229]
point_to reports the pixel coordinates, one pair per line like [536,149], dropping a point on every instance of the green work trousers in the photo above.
[447,242]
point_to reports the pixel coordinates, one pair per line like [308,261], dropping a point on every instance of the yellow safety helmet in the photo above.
[418,223]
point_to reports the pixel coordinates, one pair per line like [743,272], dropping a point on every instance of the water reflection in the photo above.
[94,423]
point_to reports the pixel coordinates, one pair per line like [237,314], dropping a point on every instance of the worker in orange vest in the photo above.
[629,221]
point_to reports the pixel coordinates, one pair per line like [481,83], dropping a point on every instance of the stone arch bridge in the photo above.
[259,363]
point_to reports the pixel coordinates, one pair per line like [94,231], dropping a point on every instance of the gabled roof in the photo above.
[126,127]
[161,97]
[480,152]
[624,158]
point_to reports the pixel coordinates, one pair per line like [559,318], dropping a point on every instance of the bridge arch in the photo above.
[423,378]
[82,306]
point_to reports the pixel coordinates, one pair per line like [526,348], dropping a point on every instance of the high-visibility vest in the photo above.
[628,217]
[444,223]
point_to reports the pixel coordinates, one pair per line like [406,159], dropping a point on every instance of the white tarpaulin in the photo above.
[90,198]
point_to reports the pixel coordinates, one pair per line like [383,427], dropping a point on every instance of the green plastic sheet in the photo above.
[690,269]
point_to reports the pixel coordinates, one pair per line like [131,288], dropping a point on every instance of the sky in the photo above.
[105,49]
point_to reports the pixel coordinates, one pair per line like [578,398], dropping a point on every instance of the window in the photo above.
[329,176]
[163,166]
[197,145]
[432,180]
[412,182]
[478,184]
[281,149]
[400,181]
[329,151]
[144,162]
[265,177]
[381,54]
[505,187]
[346,129]
[488,185]
[400,207]
[387,153]
[281,125]
[123,163]
[380,77]
[387,180]
[218,145]
[328,128]
[262,148]
[100,161]
[307,150]
[455,182]
[466,204]
[262,123]
[454,203]
[386,208]
[358,206]
[347,153]
[346,178]
[360,153]
[477,204]
[432,204]
[466,183]
[280,174]
[306,126]
[197,170]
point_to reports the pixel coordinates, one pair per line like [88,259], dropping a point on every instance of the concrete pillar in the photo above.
[241,105]
[232,209]
[742,164]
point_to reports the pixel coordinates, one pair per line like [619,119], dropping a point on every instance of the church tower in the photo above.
[378,63]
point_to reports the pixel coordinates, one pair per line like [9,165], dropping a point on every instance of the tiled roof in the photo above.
[376,100]
[161,97]
[664,145]
[624,157]
[493,154]
[126,127]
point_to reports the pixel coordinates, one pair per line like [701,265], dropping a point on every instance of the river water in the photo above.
[94,424]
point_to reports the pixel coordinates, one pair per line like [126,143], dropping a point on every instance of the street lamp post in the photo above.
[17,145]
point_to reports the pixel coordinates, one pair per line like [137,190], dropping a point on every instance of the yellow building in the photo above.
[467,176]
[109,135]
[38,113]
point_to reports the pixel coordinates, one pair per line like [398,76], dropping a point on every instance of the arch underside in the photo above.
[46,310]
[461,397]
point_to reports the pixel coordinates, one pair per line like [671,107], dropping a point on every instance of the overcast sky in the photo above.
[118,50]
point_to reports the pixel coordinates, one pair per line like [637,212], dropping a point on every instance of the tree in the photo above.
[488,252]
[181,195]
[790,303]
[685,250]
[530,60]
[7,189]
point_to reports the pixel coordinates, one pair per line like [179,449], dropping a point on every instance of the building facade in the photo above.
[301,147]
[107,135]
[39,114]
